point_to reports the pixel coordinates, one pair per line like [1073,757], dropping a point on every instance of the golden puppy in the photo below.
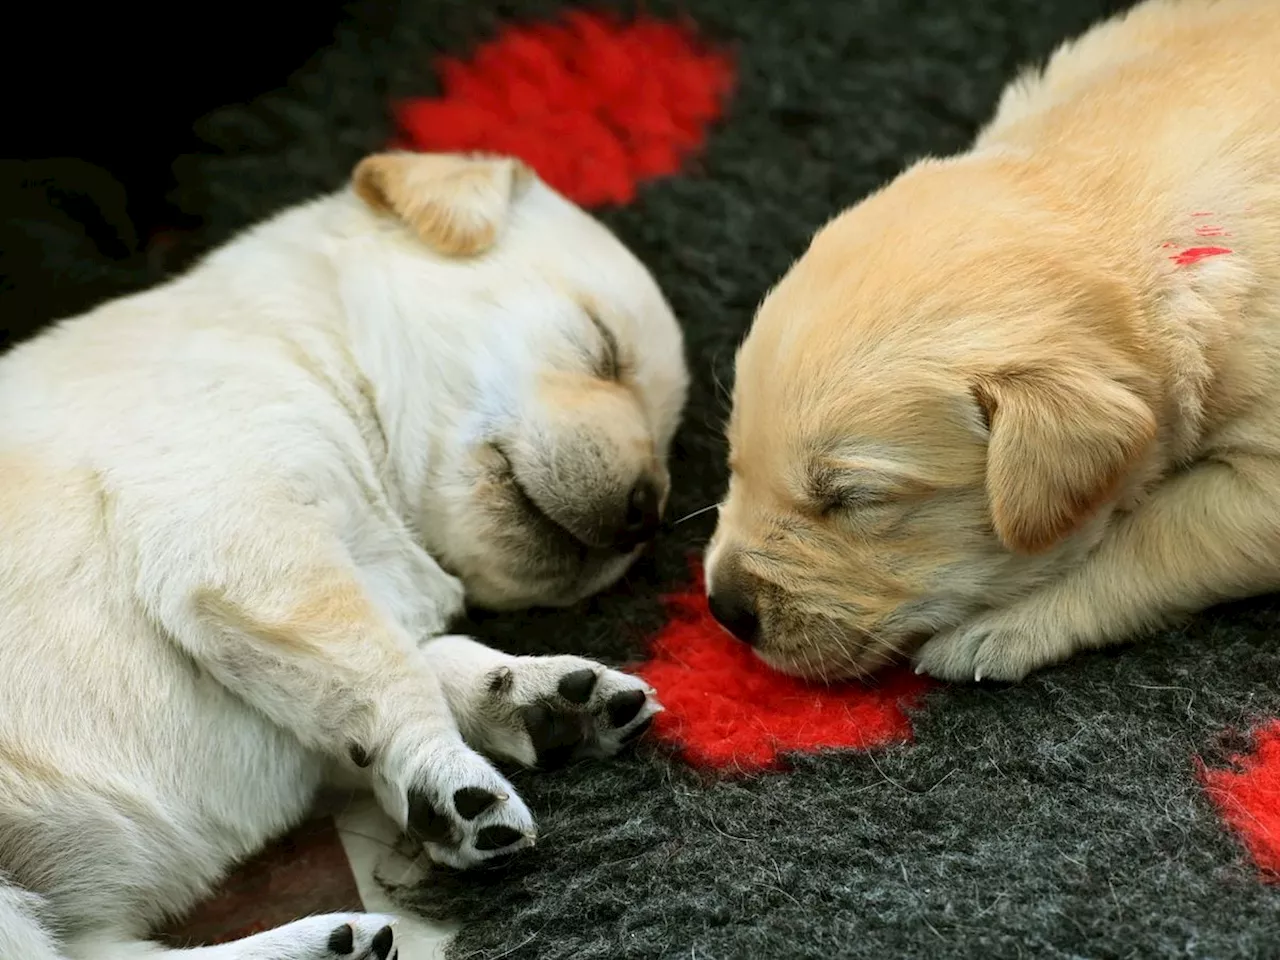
[1026,400]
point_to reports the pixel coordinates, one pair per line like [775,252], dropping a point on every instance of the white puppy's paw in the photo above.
[548,711]
[331,936]
[361,936]
[1003,645]
[539,711]
[451,800]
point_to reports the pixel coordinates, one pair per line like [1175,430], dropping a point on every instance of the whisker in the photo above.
[880,651]
[697,513]
[810,649]
[844,642]
[722,393]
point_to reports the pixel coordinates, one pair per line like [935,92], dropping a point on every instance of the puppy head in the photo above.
[936,406]
[530,375]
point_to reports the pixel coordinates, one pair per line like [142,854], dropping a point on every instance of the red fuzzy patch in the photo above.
[594,106]
[1195,254]
[727,709]
[1247,796]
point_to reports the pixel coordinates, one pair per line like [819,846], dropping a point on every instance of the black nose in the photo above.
[735,613]
[643,516]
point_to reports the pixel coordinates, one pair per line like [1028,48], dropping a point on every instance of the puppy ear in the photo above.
[1061,443]
[456,204]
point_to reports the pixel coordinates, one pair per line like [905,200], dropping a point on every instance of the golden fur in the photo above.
[1026,400]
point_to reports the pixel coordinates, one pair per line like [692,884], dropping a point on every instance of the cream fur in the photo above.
[237,509]
[1003,405]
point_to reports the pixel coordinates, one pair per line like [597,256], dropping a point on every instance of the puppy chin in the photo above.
[814,666]
[813,644]
[606,575]
[501,590]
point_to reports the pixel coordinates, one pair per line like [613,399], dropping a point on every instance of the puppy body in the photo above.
[1027,400]
[238,510]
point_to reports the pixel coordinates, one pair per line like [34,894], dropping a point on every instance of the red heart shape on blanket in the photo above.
[593,105]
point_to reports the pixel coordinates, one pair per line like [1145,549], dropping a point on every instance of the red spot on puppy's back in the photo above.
[1196,254]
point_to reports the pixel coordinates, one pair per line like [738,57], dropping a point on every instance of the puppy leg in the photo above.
[301,640]
[21,932]
[1206,535]
[347,936]
[539,711]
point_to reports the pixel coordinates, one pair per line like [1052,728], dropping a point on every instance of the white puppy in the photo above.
[236,509]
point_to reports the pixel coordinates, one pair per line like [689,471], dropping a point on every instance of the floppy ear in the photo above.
[456,204]
[1061,443]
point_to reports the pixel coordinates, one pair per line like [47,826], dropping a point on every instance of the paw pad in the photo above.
[555,734]
[495,838]
[382,941]
[576,687]
[624,706]
[426,823]
[470,802]
[342,941]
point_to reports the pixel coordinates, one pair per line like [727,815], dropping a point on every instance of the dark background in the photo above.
[101,100]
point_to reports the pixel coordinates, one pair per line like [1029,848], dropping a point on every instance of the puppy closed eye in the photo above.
[608,358]
[852,499]
[860,488]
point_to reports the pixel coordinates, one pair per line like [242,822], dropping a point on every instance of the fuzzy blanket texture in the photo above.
[1124,805]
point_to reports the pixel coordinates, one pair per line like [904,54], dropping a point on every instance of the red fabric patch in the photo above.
[594,106]
[727,710]
[1247,796]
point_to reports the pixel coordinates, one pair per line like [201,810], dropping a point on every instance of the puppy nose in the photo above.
[735,612]
[643,516]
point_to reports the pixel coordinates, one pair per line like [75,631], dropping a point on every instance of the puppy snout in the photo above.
[643,515]
[734,607]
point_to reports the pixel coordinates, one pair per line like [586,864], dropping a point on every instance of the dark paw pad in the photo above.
[381,944]
[624,706]
[470,802]
[576,687]
[342,941]
[495,838]
[426,823]
[555,734]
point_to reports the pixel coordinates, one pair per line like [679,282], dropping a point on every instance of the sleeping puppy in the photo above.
[1025,401]
[237,512]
